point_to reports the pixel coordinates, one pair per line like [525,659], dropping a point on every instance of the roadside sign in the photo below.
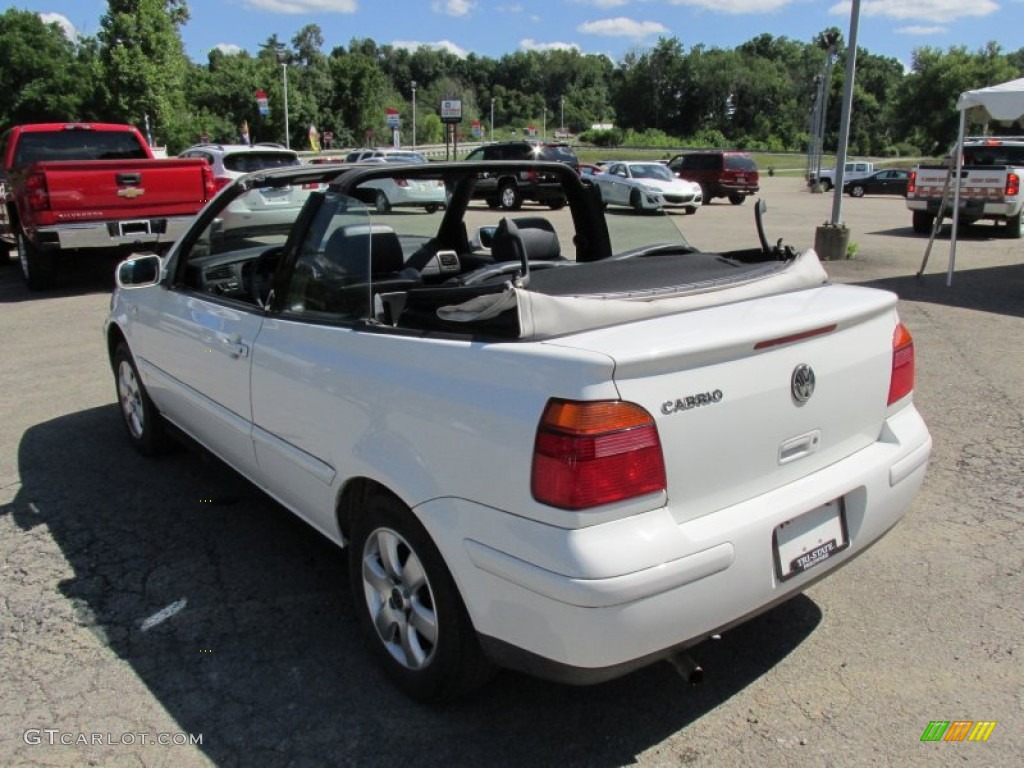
[262,103]
[451,111]
[393,116]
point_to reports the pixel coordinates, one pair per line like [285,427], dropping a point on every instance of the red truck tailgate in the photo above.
[108,189]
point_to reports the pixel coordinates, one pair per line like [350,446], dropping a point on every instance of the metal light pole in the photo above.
[414,114]
[492,119]
[283,58]
[544,125]
[561,117]
[832,239]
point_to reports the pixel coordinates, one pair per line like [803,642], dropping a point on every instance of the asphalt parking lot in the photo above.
[148,601]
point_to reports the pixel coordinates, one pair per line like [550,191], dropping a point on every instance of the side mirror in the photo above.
[138,271]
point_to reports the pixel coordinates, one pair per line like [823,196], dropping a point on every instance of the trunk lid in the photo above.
[721,386]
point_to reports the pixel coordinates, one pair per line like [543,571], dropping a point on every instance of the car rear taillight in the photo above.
[209,184]
[901,381]
[401,182]
[37,192]
[1012,184]
[592,453]
[912,183]
[220,182]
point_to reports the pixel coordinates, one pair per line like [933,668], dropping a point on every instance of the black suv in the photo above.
[720,173]
[509,190]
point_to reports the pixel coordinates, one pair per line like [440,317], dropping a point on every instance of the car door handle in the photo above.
[234,347]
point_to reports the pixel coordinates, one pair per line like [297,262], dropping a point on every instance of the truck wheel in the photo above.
[705,194]
[557,205]
[509,197]
[826,185]
[144,424]
[1013,226]
[737,199]
[38,267]
[409,609]
[923,222]
[5,254]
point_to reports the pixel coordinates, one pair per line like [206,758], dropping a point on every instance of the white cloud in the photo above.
[305,6]
[916,30]
[229,48]
[926,10]
[529,44]
[453,7]
[623,27]
[603,3]
[441,45]
[62,21]
[736,7]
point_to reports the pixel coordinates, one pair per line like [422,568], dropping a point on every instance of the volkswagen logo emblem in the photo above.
[802,383]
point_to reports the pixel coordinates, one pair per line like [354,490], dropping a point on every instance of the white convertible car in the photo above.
[550,445]
[646,186]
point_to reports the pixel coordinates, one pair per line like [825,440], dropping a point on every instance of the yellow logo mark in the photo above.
[131,192]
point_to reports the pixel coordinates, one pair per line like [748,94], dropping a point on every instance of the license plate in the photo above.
[811,539]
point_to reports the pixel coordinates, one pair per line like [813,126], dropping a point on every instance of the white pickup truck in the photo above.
[855,169]
[558,442]
[989,186]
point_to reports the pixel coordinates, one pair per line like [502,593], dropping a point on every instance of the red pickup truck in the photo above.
[74,188]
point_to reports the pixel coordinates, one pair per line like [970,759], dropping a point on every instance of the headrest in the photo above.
[537,235]
[354,246]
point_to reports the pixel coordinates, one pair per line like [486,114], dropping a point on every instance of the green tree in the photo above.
[145,65]
[45,75]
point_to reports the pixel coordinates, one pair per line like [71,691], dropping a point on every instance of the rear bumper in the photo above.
[588,604]
[974,208]
[122,233]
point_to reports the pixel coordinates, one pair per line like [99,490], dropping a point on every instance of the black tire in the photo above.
[39,268]
[857,190]
[409,609]
[635,201]
[923,222]
[705,194]
[826,185]
[5,254]
[690,210]
[432,208]
[146,430]
[1014,225]
[556,205]
[737,199]
[381,202]
[509,196]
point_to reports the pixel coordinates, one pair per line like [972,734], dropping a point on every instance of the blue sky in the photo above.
[493,28]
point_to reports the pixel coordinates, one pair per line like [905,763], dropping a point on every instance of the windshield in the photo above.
[651,171]
[247,162]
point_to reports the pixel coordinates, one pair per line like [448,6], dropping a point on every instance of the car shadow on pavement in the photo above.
[237,618]
[92,274]
[989,289]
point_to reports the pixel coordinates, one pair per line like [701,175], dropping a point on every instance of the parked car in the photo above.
[406,155]
[852,171]
[647,186]
[560,443]
[888,182]
[720,173]
[253,213]
[398,192]
[71,190]
[507,190]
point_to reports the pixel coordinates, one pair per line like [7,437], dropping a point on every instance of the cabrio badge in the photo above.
[802,383]
[694,401]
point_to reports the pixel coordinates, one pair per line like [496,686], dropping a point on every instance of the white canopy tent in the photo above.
[1003,103]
